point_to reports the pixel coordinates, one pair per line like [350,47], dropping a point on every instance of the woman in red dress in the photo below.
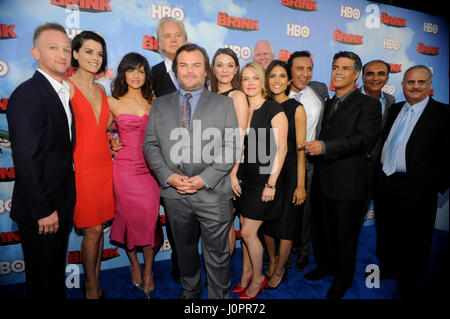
[95,204]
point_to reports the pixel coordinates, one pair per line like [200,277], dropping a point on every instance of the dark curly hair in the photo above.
[131,61]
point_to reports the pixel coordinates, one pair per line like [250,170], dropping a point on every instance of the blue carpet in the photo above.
[116,282]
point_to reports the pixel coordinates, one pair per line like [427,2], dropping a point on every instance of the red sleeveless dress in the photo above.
[95,203]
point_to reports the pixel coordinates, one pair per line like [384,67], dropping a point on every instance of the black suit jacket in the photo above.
[162,83]
[349,134]
[427,150]
[42,152]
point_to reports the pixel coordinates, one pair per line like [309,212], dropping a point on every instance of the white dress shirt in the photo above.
[313,107]
[63,91]
[168,64]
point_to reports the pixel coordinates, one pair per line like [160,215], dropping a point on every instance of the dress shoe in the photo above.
[244,295]
[302,263]
[199,296]
[148,293]
[239,289]
[283,279]
[336,292]
[315,275]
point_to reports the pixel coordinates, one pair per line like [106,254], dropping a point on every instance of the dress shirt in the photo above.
[417,110]
[313,106]
[63,90]
[168,64]
[193,101]
[382,100]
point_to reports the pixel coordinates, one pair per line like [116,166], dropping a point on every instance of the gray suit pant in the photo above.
[211,221]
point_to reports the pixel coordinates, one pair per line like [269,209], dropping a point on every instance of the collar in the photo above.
[168,64]
[55,84]
[196,93]
[418,107]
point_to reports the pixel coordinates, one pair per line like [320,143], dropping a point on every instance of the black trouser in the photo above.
[45,261]
[336,226]
[405,219]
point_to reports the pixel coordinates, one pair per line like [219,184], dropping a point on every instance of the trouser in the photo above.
[188,220]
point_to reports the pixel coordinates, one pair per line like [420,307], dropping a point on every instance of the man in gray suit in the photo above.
[191,144]
[375,76]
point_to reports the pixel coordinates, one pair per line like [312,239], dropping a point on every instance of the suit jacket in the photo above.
[427,152]
[162,83]
[41,151]
[163,142]
[349,134]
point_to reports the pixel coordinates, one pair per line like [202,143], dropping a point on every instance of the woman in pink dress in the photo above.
[137,192]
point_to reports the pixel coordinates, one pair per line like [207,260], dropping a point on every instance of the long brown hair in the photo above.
[235,81]
[131,61]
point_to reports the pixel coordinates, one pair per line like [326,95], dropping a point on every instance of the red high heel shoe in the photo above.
[239,289]
[244,295]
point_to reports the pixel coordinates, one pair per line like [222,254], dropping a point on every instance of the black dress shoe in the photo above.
[336,292]
[192,297]
[302,263]
[315,275]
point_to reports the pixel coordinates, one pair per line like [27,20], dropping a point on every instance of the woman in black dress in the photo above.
[224,79]
[265,149]
[292,176]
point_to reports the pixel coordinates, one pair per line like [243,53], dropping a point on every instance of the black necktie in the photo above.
[186,110]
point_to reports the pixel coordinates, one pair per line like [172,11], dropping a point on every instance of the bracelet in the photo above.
[271,186]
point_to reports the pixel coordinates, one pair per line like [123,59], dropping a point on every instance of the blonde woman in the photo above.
[261,193]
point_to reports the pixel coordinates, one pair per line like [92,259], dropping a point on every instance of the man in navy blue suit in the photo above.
[42,137]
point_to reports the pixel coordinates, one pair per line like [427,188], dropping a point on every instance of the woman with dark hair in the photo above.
[95,203]
[137,191]
[292,176]
[224,79]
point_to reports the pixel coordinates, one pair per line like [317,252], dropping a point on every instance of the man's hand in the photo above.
[49,225]
[313,147]
[194,184]
[178,182]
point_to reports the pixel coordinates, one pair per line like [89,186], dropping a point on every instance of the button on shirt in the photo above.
[313,106]
[63,91]
[417,110]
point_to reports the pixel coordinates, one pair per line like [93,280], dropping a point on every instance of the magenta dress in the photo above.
[136,220]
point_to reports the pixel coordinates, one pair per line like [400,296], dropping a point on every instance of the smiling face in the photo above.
[52,51]
[191,70]
[89,56]
[251,83]
[416,85]
[278,80]
[343,76]
[224,68]
[135,78]
[302,71]
[375,77]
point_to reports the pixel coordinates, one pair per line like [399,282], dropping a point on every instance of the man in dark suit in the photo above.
[412,169]
[375,75]
[195,182]
[42,136]
[171,36]
[350,126]
[313,96]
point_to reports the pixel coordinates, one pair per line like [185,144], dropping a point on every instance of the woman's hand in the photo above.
[268,194]
[235,186]
[299,196]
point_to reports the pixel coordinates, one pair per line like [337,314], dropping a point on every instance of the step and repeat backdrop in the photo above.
[401,37]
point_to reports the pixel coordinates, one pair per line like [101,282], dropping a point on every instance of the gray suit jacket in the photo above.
[209,150]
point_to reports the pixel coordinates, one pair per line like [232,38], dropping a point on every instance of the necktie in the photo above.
[393,147]
[186,110]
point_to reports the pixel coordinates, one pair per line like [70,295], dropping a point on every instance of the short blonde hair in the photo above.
[260,72]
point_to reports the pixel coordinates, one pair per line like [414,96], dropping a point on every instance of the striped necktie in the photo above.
[186,110]
[394,145]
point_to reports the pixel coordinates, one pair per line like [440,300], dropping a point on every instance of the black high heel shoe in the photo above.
[283,279]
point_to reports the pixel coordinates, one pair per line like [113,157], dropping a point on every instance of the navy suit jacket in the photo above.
[162,82]
[42,152]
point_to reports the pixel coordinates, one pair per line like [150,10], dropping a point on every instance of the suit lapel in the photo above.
[201,105]
[176,107]
[424,118]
